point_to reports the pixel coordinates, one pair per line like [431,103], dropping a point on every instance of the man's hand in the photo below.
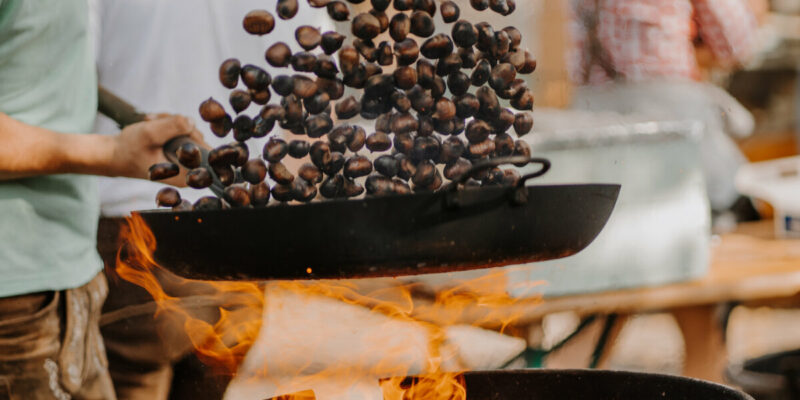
[141,145]
[30,151]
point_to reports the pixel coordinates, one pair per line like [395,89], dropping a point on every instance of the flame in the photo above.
[222,345]
[425,317]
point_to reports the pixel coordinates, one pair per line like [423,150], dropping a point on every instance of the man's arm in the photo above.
[27,150]
[728,27]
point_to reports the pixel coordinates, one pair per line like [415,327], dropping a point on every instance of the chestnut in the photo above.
[229,73]
[287,9]
[168,197]
[211,110]
[189,155]
[163,171]
[308,37]
[258,22]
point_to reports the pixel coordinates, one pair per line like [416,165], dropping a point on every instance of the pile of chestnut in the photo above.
[438,102]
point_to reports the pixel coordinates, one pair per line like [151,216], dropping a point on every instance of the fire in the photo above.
[223,344]
[402,329]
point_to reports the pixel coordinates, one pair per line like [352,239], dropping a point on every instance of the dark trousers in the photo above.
[51,348]
[144,346]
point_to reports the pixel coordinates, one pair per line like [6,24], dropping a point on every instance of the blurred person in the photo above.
[639,57]
[51,289]
[154,63]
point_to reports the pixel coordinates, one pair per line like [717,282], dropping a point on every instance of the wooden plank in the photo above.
[745,267]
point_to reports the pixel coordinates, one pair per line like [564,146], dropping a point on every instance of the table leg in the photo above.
[704,341]
[613,334]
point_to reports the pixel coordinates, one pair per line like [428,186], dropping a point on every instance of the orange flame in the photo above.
[482,302]
[223,344]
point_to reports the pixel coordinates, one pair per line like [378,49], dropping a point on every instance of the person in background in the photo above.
[51,289]
[638,57]
[147,59]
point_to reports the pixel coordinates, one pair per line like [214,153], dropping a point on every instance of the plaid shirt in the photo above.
[643,40]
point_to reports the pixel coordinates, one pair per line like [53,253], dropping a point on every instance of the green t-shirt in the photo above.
[48,224]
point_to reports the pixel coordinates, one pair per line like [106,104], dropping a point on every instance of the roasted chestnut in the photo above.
[239,100]
[347,108]
[163,171]
[317,103]
[338,11]
[229,73]
[255,78]
[403,5]
[259,194]
[448,64]
[478,131]
[331,42]
[452,149]
[282,192]
[309,173]
[283,85]
[211,110]
[407,167]
[258,22]
[366,26]
[275,150]
[407,52]
[333,187]
[523,124]
[308,37]
[437,46]
[287,9]
[479,5]
[387,166]
[405,77]
[303,191]
[521,148]
[459,83]
[450,11]
[222,126]
[457,168]
[237,196]
[504,145]
[336,164]
[279,173]
[399,27]
[298,148]
[207,203]
[465,35]
[523,101]
[189,155]
[426,148]
[243,127]
[357,166]
[304,62]
[422,24]
[168,197]
[358,139]
[379,141]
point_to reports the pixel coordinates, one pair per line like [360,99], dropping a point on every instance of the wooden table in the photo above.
[747,265]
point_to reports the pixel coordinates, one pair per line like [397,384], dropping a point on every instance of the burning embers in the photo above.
[438,101]
[340,339]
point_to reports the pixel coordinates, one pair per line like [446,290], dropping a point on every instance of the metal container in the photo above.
[591,385]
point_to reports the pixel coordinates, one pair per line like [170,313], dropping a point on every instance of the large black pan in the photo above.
[591,385]
[449,230]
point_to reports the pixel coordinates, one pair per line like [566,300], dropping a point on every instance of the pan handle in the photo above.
[518,196]
[496,162]
[124,114]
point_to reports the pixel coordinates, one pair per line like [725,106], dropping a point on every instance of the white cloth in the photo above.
[341,351]
[164,56]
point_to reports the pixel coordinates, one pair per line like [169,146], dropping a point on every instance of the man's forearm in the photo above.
[27,150]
